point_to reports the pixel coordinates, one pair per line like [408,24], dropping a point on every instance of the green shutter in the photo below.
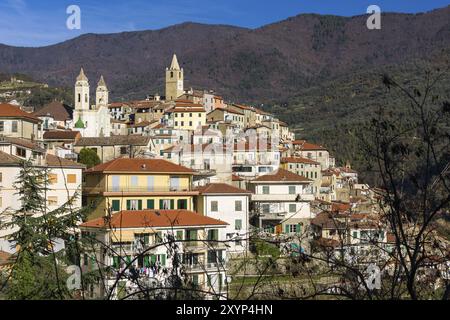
[128,259]
[172,204]
[146,261]
[115,205]
[161,204]
[150,204]
[179,235]
[299,228]
[140,204]
[116,263]
[163,259]
[286,228]
[128,204]
[153,258]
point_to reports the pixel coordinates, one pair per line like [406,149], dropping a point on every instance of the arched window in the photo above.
[171,74]
[79,97]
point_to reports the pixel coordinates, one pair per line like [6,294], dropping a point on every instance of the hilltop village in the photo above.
[189,165]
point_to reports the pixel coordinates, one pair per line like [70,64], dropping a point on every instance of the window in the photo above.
[20,152]
[182,204]
[265,208]
[266,189]
[134,181]
[71,178]
[292,228]
[1,177]
[291,189]
[238,224]
[214,206]
[190,123]
[52,178]
[134,204]
[52,201]
[213,235]
[115,205]
[123,150]
[2,126]
[150,204]
[14,126]
[292,207]
[179,235]
[166,204]
[238,205]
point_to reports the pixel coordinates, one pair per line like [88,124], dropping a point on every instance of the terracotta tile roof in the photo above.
[325,220]
[281,175]
[155,219]
[9,111]
[229,110]
[113,141]
[236,178]
[304,145]
[298,160]
[5,258]
[340,207]
[6,158]
[61,135]
[140,165]
[58,110]
[221,188]
[54,161]
[243,107]
[22,143]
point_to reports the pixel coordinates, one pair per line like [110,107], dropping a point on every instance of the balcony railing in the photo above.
[131,189]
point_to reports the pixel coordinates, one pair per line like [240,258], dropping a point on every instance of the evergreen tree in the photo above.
[38,272]
[89,157]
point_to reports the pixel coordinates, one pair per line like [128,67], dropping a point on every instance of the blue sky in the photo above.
[43,22]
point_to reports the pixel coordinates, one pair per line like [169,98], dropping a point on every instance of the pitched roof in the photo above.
[58,110]
[21,142]
[61,135]
[221,188]
[281,176]
[10,111]
[113,141]
[101,82]
[140,165]
[174,65]
[54,161]
[82,76]
[236,178]
[154,218]
[304,145]
[229,110]
[5,258]
[298,160]
[6,158]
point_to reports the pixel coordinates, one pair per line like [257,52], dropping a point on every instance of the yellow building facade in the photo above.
[137,184]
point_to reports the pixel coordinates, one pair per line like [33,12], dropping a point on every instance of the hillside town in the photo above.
[187,167]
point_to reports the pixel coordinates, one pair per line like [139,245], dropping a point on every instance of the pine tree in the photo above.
[38,272]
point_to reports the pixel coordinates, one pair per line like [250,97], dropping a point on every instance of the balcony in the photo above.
[139,190]
[283,197]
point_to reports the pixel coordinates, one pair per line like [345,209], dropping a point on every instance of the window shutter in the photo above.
[150,204]
[153,258]
[140,204]
[115,205]
[179,235]
[161,205]
[128,204]
[299,228]
[286,228]
[172,204]
[163,260]
[146,261]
